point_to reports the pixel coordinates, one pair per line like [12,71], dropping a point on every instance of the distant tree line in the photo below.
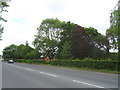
[63,40]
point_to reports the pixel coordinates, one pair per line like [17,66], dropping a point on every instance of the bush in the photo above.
[86,63]
[88,59]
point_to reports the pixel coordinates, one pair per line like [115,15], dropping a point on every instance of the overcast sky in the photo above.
[25,16]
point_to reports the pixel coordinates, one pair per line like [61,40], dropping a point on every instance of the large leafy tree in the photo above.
[82,45]
[68,40]
[48,37]
[64,45]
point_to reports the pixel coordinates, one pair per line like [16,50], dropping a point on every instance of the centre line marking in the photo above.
[88,84]
[18,67]
[11,65]
[28,69]
[49,74]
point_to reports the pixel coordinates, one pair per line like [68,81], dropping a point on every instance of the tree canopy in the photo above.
[16,51]
[67,40]
[62,40]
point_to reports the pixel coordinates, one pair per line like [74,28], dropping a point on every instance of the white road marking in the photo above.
[34,70]
[57,76]
[49,74]
[29,69]
[6,64]
[88,84]
[18,66]
[11,65]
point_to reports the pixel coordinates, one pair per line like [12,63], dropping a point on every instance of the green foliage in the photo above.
[82,45]
[113,56]
[14,51]
[86,63]
[99,40]
[9,51]
[3,4]
[113,32]
[22,50]
[93,64]
[88,59]
[1,31]
[68,40]
[34,54]
[48,37]
[65,52]
[112,35]
[63,40]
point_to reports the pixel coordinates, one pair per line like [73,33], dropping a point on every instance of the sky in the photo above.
[24,16]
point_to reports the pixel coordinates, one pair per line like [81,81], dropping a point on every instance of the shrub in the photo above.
[88,59]
[86,63]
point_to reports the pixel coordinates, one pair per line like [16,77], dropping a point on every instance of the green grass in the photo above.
[86,69]
[80,68]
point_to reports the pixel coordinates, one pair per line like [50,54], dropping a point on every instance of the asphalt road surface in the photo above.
[19,75]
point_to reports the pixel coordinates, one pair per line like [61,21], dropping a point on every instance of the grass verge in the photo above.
[79,68]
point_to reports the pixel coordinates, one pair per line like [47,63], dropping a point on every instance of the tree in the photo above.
[3,4]
[74,42]
[22,50]
[100,41]
[67,40]
[16,52]
[113,33]
[82,45]
[50,28]
[64,46]
[10,51]
[1,31]
[118,25]
[65,52]
[34,54]
[48,37]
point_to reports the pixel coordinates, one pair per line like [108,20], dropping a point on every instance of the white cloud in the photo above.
[25,16]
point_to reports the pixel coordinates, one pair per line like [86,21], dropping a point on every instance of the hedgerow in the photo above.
[88,63]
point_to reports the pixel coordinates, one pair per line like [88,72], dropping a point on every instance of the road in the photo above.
[20,75]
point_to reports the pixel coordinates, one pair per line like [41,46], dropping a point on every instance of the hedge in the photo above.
[109,65]
[92,64]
